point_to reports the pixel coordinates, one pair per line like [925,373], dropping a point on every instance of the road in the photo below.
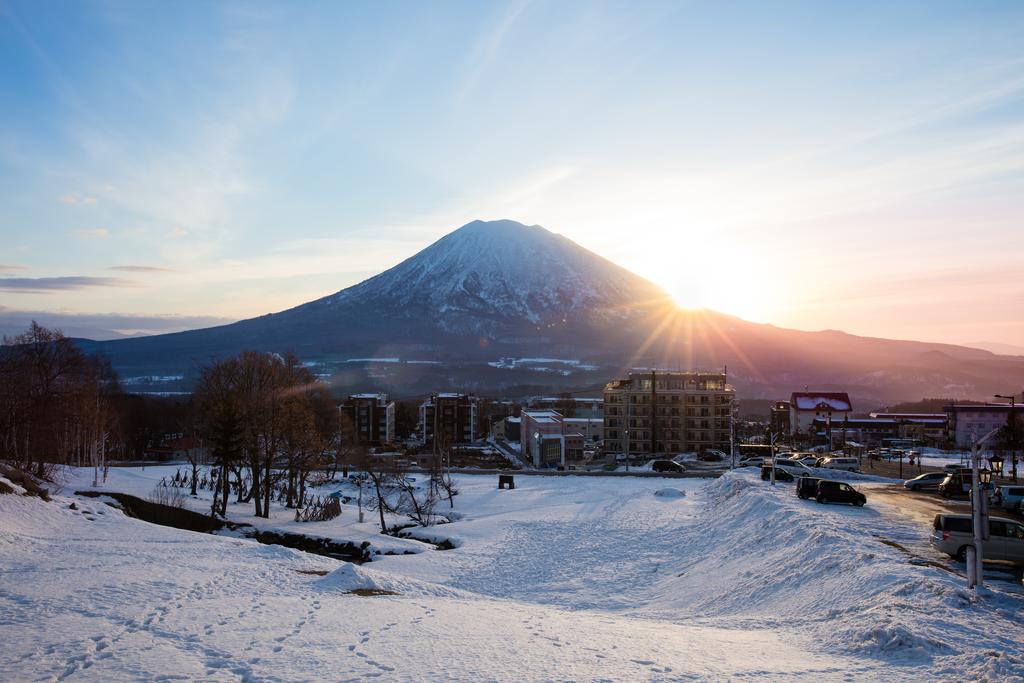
[922,508]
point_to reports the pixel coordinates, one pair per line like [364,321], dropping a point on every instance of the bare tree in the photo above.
[415,502]
[55,403]
[381,473]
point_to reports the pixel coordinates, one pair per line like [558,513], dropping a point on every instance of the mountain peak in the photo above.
[493,276]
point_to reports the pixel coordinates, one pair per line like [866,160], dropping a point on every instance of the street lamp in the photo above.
[997,465]
[986,477]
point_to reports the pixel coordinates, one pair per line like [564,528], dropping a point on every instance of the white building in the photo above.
[807,406]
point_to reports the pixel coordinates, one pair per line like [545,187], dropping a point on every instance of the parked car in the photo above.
[711,455]
[841,463]
[954,534]
[666,466]
[925,482]
[807,487]
[953,468]
[1009,498]
[780,474]
[838,492]
[794,467]
[750,462]
[957,484]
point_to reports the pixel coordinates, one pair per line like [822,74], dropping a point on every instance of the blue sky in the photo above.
[857,166]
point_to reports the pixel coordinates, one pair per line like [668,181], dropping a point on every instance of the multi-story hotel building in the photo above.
[448,419]
[368,419]
[664,411]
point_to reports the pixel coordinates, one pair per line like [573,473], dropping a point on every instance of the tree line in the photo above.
[56,403]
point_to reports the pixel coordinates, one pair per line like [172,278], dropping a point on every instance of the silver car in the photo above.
[954,534]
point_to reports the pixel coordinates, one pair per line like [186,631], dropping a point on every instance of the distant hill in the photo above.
[996,347]
[497,305]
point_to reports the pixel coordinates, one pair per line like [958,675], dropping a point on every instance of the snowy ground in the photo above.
[563,578]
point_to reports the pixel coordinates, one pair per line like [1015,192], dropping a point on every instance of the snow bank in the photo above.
[765,554]
[7,486]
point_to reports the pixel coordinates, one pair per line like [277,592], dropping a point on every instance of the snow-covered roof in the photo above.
[542,416]
[911,416]
[838,401]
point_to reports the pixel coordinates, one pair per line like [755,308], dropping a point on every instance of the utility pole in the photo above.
[979,516]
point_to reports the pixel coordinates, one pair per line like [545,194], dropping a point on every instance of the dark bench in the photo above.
[506,481]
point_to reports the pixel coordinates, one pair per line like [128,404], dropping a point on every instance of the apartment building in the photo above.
[449,419]
[663,411]
[548,439]
[965,423]
[368,419]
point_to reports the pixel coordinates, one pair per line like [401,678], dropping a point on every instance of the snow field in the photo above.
[563,578]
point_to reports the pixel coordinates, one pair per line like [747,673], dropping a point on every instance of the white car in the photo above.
[794,467]
[839,463]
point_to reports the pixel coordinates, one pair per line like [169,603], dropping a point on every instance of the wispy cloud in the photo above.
[487,48]
[103,325]
[141,269]
[43,285]
[93,233]
[11,268]
[74,198]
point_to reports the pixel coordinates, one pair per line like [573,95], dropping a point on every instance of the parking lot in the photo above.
[921,507]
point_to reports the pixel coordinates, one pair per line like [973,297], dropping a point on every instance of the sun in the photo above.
[724,291]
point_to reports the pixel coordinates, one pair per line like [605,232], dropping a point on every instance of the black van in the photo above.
[839,492]
[807,487]
[780,474]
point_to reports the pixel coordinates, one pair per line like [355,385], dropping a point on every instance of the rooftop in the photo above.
[828,400]
[987,408]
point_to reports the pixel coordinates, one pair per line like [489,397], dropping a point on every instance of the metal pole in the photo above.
[771,441]
[360,501]
[732,442]
[976,518]
[1011,426]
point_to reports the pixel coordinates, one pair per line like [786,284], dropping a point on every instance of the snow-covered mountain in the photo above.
[490,277]
[459,314]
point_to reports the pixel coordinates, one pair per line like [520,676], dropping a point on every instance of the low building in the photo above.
[965,423]
[368,419]
[448,419]
[543,437]
[668,411]
[807,406]
[868,430]
[592,429]
[922,427]
[179,447]
[507,428]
